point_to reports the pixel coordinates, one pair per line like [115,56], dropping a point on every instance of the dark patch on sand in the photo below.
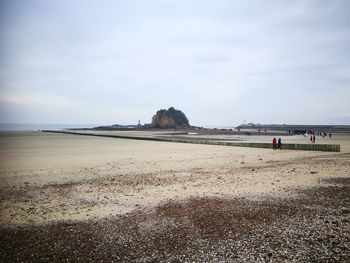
[315,227]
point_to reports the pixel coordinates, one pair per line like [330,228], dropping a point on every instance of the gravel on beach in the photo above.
[311,226]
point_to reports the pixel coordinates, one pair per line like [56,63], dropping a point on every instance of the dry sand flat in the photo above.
[49,177]
[55,178]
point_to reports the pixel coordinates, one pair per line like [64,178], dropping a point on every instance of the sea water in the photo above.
[41,126]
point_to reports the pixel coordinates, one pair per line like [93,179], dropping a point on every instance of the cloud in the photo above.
[220,63]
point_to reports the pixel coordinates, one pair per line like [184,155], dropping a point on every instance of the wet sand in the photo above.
[56,182]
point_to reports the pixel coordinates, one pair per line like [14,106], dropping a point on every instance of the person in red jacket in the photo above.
[274,144]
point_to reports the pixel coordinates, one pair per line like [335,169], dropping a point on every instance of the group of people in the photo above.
[323,134]
[276,144]
[312,135]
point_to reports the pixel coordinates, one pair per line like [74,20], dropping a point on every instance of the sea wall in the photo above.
[285,146]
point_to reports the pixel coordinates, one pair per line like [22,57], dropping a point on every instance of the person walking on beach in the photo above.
[279,144]
[313,139]
[274,144]
[330,135]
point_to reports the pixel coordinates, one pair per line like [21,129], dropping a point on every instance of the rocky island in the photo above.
[169,119]
[163,119]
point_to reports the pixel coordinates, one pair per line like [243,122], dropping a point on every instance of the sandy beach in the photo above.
[123,198]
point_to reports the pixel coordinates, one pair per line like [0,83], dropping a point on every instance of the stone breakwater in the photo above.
[285,146]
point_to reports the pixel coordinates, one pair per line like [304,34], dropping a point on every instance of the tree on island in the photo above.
[169,119]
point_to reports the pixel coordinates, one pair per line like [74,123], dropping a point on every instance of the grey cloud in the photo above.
[121,61]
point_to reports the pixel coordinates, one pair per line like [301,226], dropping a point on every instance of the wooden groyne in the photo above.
[285,146]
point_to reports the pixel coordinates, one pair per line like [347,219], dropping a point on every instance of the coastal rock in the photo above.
[169,119]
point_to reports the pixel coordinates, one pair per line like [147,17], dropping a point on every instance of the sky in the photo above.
[221,62]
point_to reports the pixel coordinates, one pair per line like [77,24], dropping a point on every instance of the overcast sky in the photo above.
[220,62]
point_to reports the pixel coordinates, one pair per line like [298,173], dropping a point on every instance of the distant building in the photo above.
[296,129]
